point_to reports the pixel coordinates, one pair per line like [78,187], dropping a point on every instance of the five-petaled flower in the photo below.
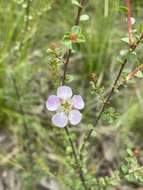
[66,107]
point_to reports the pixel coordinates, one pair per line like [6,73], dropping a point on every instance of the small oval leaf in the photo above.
[84,17]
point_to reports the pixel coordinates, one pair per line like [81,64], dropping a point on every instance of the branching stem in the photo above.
[81,175]
[131,49]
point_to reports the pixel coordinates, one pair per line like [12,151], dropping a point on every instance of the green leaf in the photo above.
[123,52]
[139,74]
[141,179]
[75,2]
[67,43]
[113,182]
[124,169]
[69,149]
[130,177]
[76,47]
[132,57]
[90,126]
[76,29]
[126,40]
[81,38]
[119,59]
[123,9]
[84,17]
[70,78]
[141,28]
[110,115]
[102,181]
[130,153]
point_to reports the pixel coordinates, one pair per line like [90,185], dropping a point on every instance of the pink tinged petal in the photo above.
[75,117]
[64,92]
[53,103]
[60,120]
[78,102]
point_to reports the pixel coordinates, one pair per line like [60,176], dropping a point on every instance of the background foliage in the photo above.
[33,153]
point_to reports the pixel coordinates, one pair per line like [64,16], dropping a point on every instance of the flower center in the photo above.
[66,106]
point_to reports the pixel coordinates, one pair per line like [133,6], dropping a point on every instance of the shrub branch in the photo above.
[77,20]
[132,48]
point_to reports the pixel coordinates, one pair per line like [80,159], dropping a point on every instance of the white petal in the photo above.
[60,119]
[64,92]
[53,103]
[75,117]
[132,20]
[78,102]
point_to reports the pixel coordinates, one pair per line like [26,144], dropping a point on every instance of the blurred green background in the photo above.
[28,77]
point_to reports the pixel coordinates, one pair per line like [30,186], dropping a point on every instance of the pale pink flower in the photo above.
[66,107]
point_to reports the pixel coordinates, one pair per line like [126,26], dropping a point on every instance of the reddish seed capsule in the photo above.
[54,45]
[135,72]
[93,77]
[136,152]
[73,37]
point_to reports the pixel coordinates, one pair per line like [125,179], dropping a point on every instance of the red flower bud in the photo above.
[136,152]
[73,37]
[54,45]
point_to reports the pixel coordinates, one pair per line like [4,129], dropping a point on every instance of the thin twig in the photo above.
[128,3]
[20,103]
[76,159]
[18,95]
[65,67]
[26,129]
[131,49]
[26,28]
[27,15]
[77,20]
[60,59]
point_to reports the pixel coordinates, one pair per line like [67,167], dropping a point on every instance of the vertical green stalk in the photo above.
[106,8]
